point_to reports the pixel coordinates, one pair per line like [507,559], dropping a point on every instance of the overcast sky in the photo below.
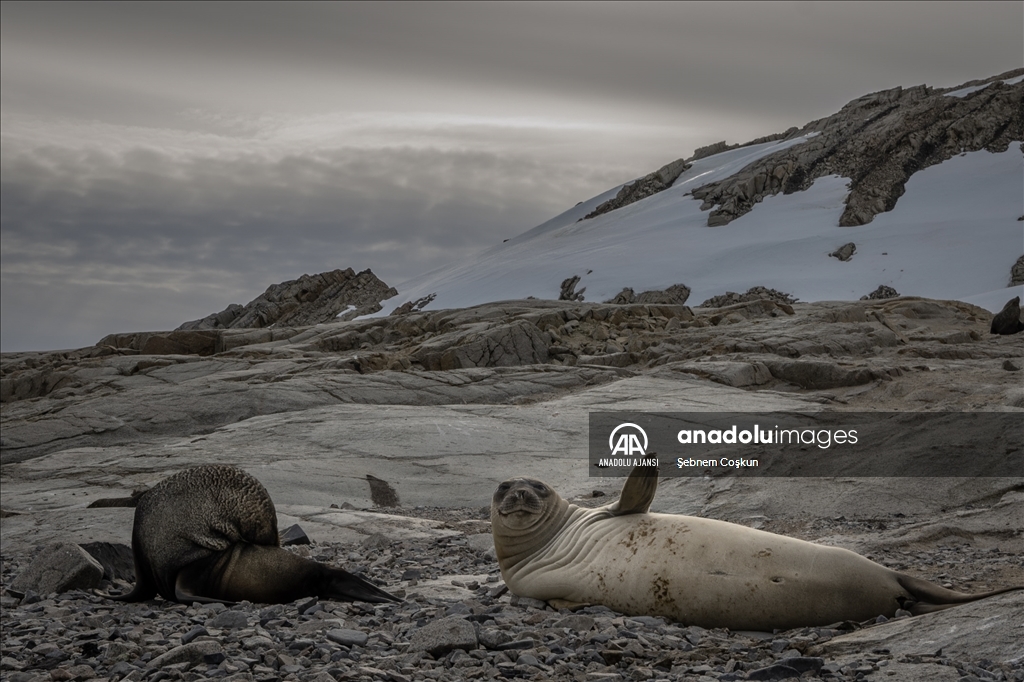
[160,161]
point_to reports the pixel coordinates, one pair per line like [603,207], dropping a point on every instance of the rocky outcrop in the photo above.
[877,141]
[641,188]
[673,295]
[752,294]
[881,293]
[414,306]
[310,299]
[1017,272]
[567,290]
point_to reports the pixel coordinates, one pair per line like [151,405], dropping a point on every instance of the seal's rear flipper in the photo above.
[930,597]
[343,586]
[637,492]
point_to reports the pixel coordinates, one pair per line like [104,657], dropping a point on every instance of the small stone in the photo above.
[348,637]
[294,535]
[186,653]
[444,635]
[197,631]
[228,620]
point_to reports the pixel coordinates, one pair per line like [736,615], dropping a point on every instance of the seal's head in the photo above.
[525,514]
[520,502]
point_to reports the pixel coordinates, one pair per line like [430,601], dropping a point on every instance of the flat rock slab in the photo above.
[988,629]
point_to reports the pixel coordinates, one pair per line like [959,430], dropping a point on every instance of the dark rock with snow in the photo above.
[1007,321]
[308,300]
[59,568]
[641,188]
[878,141]
[414,306]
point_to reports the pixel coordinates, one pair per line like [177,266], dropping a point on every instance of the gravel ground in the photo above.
[477,630]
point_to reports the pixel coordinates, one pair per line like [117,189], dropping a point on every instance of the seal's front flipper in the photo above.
[559,604]
[637,492]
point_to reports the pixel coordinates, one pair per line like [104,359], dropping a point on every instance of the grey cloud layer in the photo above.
[78,223]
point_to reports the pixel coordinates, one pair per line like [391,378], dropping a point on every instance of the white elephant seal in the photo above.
[209,534]
[692,570]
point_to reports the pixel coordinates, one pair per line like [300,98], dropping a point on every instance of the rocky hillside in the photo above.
[310,299]
[916,190]
[877,141]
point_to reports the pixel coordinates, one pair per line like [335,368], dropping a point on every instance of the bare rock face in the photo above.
[648,185]
[1017,272]
[878,141]
[310,299]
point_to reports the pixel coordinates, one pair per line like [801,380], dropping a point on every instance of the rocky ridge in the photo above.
[878,141]
[310,299]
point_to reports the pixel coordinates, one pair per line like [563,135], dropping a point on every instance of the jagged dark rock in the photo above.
[877,141]
[310,299]
[844,252]
[641,188]
[1007,321]
[568,289]
[880,293]
[414,306]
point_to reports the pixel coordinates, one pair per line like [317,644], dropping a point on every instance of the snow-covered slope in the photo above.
[953,234]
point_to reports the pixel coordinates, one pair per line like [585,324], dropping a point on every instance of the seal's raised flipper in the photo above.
[637,492]
[930,597]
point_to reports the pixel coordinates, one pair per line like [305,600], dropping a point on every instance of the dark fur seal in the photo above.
[1007,321]
[209,534]
[693,570]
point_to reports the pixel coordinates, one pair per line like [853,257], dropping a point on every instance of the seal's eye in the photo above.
[503,487]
